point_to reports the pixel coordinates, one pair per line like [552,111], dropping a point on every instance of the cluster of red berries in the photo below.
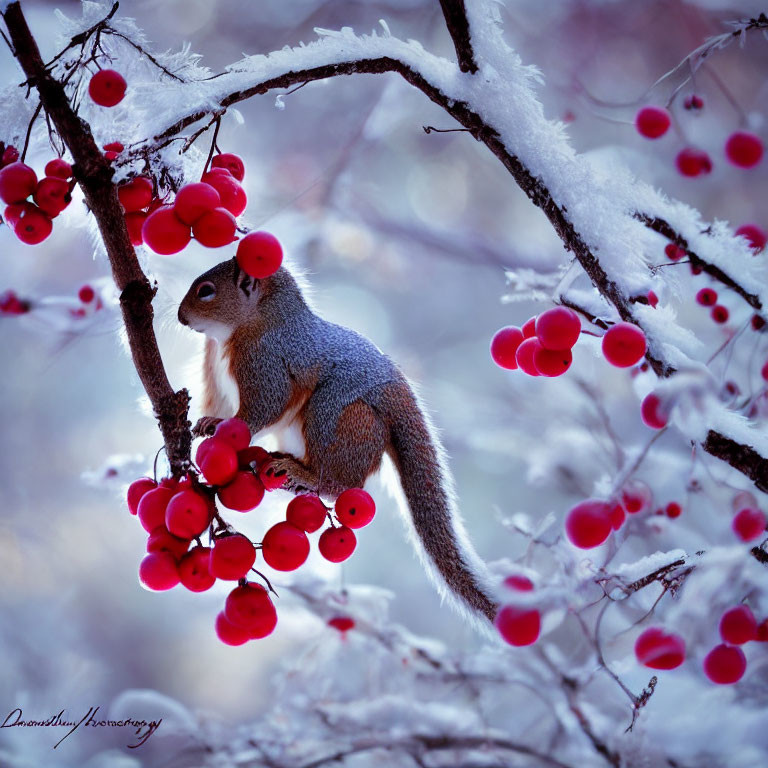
[11,304]
[590,522]
[107,88]
[90,302]
[519,625]
[176,512]
[206,211]
[31,220]
[542,346]
[725,664]
[742,148]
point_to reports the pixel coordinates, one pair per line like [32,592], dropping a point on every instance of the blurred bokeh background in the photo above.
[403,236]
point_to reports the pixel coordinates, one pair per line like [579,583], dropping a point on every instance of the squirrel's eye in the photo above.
[206,291]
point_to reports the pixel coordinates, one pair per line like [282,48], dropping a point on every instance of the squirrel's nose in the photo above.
[182,319]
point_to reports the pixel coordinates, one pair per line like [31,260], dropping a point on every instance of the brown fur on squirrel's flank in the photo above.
[278,366]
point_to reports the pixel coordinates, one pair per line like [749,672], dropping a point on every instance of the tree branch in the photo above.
[455,13]
[410,61]
[94,175]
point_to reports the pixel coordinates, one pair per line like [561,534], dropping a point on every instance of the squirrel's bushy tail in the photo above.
[437,527]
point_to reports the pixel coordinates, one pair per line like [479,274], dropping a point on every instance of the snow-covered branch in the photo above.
[609,220]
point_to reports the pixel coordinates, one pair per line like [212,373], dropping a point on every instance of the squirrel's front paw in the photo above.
[206,426]
[285,472]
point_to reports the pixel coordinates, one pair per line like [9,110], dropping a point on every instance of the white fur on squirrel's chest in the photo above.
[285,435]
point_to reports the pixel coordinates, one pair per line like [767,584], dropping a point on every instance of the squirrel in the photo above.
[274,363]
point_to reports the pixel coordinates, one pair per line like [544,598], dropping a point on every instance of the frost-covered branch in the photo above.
[601,217]
[94,175]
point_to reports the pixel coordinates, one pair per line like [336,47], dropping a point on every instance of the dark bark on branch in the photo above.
[667,230]
[455,13]
[742,457]
[94,175]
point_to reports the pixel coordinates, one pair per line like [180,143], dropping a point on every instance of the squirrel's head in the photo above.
[226,298]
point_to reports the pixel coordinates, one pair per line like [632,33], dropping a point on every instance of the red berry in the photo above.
[285,547]
[624,345]
[86,294]
[525,356]
[135,194]
[558,328]
[160,540]
[744,149]
[10,155]
[158,571]
[194,200]
[720,314]
[652,122]
[110,156]
[504,345]
[134,221]
[215,228]
[636,496]
[618,515]
[519,583]
[249,607]
[270,480]
[114,146]
[673,510]
[674,252]
[529,328]
[193,570]
[653,299]
[107,88]
[756,236]
[17,183]
[764,371]
[136,490]
[187,514]
[164,232]
[242,494]
[707,297]
[231,163]
[762,631]
[588,524]
[232,557]
[11,304]
[693,162]
[725,664]
[259,254]
[337,544]
[749,523]
[229,633]
[355,508]
[693,102]
[152,506]
[232,195]
[33,225]
[758,323]
[253,454]
[658,649]
[342,623]
[653,412]
[306,512]
[518,625]
[219,461]
[549,362]
[738,625]
[59,168]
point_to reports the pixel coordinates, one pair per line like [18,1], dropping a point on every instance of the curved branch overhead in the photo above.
[498,106]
